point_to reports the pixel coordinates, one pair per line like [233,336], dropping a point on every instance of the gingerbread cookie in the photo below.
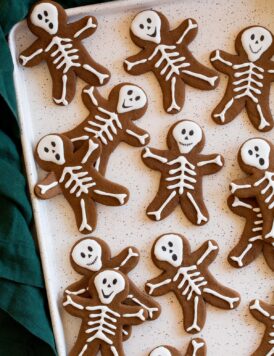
[264,313]
[182,167]
[186,274]
[251,243]
[72,173]
[196,347]
[256,158]
[103,315]
[165,52]
[250,75]
[90,255]
[59,44]
[111,120]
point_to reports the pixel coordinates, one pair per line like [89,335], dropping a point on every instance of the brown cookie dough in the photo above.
[186,274]
[111,120]
[264,313]
[250,73]
[165,52]
[59,44]
[72,173]
[251,243]
[182,168]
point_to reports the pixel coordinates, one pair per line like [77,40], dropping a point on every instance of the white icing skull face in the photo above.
[255,153]
[108,284]
[160,351]
[187,135]
[169,248]
[45,16]
[255,41]
[51,149]
[147,26]
[131,98]
[88,254]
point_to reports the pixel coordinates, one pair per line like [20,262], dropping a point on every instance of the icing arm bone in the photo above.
[83,28]
[187,31]
[210,164]
[32,55]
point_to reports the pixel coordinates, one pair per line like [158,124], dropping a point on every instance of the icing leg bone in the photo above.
[158,213]
[84,224]
[222,114]
[239,259]
[173,105]
[210,80]
[195,320]
[229,300]
[120,197]
[200,216]
[99,75]
[196,346]
[263,123]
[141,138]
[63,99]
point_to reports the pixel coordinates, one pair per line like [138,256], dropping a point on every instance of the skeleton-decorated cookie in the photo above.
[250,75]
[72,173]
[251,243]
[59,44]
[186,274]
[90,255]
[256,158]
[182,168]
[111,120]
[196,347]
[103,315]
[166,54]
[264,313]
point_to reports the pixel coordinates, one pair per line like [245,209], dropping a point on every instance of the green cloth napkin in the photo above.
[25,327]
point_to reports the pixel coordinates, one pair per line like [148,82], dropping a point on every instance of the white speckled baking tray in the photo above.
[226,332]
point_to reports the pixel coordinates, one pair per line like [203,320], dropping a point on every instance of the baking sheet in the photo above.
[226,332]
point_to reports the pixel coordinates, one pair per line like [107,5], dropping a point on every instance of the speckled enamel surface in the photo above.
[226,332]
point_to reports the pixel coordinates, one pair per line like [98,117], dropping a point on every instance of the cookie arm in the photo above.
[158,286]
[83,28]
[75,305]
[139,63]
[77,288]
[126,260]
[209,164]
[91,98]
[133,315]
[48,187]
[33,55]
[243,188]
[89,151]
[186,32]
[260,310]
[223,61]
[154,158]
[206,253]
[135,136]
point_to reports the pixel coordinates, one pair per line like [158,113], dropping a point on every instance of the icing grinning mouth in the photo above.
[254,52]
[124,106]
[92,263]
[154,33]
[185,144]
[106,295]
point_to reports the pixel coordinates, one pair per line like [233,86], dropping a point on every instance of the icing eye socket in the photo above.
[90,248]
[40,16]
[252,36]
[261,161]
[83,255]
[262,38]
[57,156]
[250,152]
[170,244]
[256,148]
[163,248]
[50,25]
[46,13]
[137,98]
[174,257]
[129,92]
[46,149]
[191,132]
[141,26]
[114,281]
[183,131]
[53,144]
[149,20]
[104,281]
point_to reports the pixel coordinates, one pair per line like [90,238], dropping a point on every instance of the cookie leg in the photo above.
[200,77]
[85,213]
[268,230]
[268,251]
[116,349]
[83,348]
[109,193]
[92,73]
[63,87]
[220,296]
[260,115]
[173,94]
[245,252]
[194,208]
[196,347]
[228,109]
[163,204]
[194,312]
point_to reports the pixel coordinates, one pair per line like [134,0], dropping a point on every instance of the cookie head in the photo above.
[160,351]
[51,149]
[131,97]
[110,285]
[187,135]
[147,26]
[256,41]
[87,254]
[255,153]
[169,248]
[44,15]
